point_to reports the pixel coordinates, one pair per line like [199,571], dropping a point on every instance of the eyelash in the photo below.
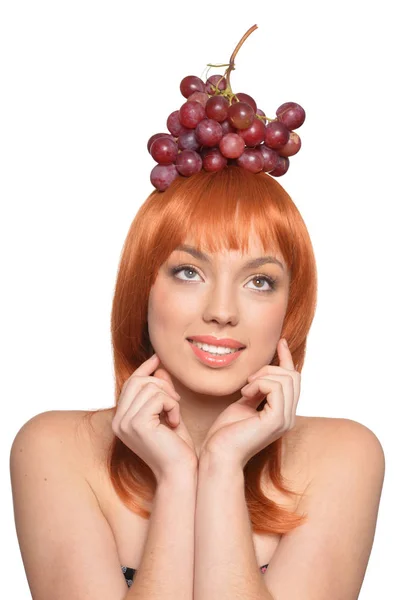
[270,280]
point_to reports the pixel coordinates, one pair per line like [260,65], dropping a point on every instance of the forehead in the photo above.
[255,250]
[255,245]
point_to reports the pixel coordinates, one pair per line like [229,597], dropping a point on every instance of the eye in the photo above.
[184,268]
[271,281]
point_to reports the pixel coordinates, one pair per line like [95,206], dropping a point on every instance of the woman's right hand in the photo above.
[167,448]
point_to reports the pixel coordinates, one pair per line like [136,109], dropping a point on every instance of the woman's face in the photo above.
[223,297]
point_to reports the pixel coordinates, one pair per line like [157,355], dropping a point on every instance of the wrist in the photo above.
[214,465]
[179,478]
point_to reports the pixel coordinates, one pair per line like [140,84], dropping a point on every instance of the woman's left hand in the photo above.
[241,431]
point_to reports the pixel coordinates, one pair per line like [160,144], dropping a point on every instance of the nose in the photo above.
[221,306]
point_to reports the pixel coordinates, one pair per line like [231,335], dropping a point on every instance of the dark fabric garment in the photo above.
[129,573]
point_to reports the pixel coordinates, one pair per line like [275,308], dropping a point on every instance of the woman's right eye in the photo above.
[184,268]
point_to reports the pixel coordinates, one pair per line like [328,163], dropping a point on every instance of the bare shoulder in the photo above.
[78,433]
[59,522]
[341,504]
[321,430]
[320,441]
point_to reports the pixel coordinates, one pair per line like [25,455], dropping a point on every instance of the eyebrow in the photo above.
[251,264]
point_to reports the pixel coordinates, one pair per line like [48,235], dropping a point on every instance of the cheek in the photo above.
[265,331]
[166,311]
[268,320]
[159,307]
[277,319]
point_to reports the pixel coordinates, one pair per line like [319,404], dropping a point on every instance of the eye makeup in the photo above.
[272,281]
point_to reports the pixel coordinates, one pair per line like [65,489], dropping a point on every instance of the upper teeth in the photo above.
[214,349]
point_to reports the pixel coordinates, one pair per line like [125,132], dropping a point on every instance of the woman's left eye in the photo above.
[269,280]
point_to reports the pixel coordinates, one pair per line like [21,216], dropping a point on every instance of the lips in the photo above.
[215,360]
[213,341]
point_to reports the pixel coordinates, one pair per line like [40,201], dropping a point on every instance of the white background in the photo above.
[83,86]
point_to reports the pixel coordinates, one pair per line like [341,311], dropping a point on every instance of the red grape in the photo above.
[255,134]
[209,132]
[200,97]
[213,160]
[191,113]
[241,115]
[188,140]
[281,168]
[277,134]
[213,81]
[174,125]
[251,160]
[270,157]
[260,112]
[216,108]
[162,176]
[292,146]
[227,127]
[191,84]
[291,114]
[164,150]
[231,145]
[188,163]
[245,98]
[156,136]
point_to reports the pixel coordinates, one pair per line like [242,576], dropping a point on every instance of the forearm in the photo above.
[166,570]
[225,562]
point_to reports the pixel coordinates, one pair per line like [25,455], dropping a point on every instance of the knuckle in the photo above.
[289,380]
[134,425]
[279,421]
[151,385]
[287,376]
[123,426]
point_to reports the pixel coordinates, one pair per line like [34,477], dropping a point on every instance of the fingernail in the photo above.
[285,342]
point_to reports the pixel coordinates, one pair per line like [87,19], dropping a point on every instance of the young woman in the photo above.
[202,481]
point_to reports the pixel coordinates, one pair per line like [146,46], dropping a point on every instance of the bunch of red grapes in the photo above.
[216,127]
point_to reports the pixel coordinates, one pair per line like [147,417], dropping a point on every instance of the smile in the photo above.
[214,356]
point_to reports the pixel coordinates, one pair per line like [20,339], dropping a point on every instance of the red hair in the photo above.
[217,209]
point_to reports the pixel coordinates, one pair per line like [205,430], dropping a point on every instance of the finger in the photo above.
[148,366]
[162,373]
[294,388]
[155,405]
[270,370]
[261,388]
[284,355]
[284,383]
[132,394]
[286,361]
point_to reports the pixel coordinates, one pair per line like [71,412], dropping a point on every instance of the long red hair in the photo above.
[217,209]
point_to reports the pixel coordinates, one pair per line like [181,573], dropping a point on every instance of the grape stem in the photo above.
[236,49]
[228,92]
